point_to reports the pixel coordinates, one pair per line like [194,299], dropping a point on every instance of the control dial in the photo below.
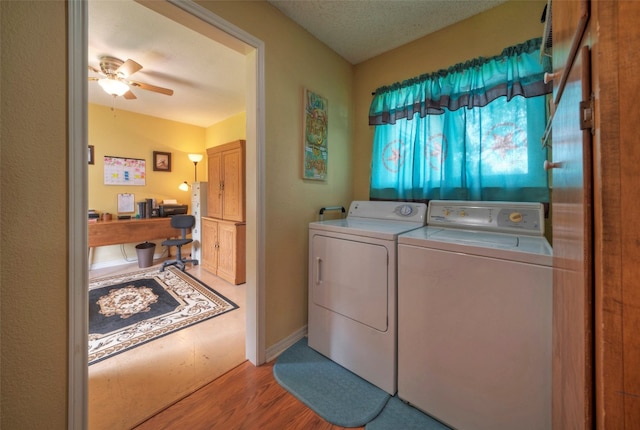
[515,217]
[404,210]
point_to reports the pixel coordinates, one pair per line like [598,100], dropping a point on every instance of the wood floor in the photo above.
[245,398]
[128,388]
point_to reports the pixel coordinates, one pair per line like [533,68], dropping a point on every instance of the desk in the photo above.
[119,231]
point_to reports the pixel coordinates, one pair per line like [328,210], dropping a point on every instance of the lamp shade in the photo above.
[196,158]
[184,186]
[113,86]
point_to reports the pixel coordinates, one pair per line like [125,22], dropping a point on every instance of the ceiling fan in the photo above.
[115,80]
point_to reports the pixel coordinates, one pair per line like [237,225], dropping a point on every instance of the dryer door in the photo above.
[349,277]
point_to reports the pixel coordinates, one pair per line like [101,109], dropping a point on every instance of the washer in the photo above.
[352,287]
[474,316]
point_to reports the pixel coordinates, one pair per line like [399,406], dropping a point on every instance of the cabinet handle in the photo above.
[318,270]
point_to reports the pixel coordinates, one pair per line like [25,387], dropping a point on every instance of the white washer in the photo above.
[474,316]
[352,287]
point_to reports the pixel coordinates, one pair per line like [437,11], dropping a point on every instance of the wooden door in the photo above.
[210,245]
[572,215]
[233,184]
[214,199]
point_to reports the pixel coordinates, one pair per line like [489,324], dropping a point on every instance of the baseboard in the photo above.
[120,262]
[275,350]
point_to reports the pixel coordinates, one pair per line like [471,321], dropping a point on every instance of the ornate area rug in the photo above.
[131,309]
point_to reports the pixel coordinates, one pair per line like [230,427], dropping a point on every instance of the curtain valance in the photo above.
[475,83]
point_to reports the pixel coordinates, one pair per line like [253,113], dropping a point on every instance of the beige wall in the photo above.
[294,60]
[483,35]
[33,257]
[33,171]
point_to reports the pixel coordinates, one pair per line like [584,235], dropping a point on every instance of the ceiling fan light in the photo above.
[113,87]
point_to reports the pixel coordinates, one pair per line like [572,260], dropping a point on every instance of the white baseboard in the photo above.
[275,350]
[120,262]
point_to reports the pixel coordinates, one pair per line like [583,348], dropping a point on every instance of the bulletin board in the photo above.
[124,171]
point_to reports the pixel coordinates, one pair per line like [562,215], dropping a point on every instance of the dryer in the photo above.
[352,287]
[475,306]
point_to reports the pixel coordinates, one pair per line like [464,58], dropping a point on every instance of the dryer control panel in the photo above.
[507,217]
[390,211]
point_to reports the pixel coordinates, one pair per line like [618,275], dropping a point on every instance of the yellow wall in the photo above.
[483,35]
[34,196]
[228,130]
[132,135]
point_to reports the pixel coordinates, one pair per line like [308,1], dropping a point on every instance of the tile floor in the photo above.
[128,388]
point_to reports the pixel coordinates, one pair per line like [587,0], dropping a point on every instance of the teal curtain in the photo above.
[472,132]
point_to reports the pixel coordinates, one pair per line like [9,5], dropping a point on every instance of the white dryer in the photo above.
[475,306]
[352,287]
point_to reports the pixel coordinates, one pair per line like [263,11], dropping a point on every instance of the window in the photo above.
[470,133]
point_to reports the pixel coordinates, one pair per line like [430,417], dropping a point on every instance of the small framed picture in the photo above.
[161,161]
[92,155]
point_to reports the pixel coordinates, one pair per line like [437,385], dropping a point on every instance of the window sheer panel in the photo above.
[488,150]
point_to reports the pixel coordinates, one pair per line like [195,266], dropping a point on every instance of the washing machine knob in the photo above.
[515,217]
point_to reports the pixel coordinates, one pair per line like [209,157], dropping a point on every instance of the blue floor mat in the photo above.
[397,415]
[334,393]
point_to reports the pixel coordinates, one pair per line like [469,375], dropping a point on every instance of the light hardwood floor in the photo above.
[245,398]
[128,388]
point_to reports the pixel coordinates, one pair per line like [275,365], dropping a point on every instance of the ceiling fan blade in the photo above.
[129,95]
[94,70]
[150,87]
[128,68]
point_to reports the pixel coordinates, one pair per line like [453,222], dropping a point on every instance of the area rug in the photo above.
[131,309]
[333,392]
[398,415]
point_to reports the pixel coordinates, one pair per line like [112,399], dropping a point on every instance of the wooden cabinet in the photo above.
[224,248]
[226,164]
[224,229]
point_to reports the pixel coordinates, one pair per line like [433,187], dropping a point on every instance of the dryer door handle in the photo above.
[318,270]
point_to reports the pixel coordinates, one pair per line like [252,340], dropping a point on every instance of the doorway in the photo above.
[192,13]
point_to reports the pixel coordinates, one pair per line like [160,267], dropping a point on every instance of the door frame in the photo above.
[77,47]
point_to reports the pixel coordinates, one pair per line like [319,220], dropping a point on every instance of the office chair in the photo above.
[183,222]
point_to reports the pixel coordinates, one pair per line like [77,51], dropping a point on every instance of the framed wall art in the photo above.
[315,129]
[92,155]
[161,161]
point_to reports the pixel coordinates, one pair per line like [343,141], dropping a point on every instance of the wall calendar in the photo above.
[124,171]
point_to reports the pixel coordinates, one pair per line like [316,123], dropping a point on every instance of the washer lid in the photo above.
[505,246]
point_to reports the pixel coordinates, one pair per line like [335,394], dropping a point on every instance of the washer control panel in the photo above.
[525,218]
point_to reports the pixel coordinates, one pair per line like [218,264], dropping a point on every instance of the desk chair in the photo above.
[183,222]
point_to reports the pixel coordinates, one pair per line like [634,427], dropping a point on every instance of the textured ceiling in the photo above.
[361,29]
[208,78]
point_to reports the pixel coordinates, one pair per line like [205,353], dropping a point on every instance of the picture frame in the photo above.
[161,161]
[92,155]
[315,140]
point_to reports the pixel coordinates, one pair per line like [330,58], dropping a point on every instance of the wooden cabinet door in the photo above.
[233,195]
[572,215]
[214,198]
[226,254]
[210,245]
